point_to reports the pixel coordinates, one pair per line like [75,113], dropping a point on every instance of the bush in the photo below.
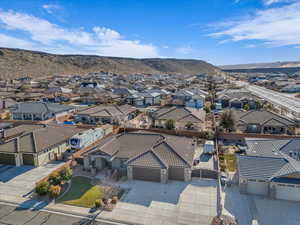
[42,188]
[54,190]
[114,200]
[99,203]
[55,178]
[207,109]
[170,124]
[66,173]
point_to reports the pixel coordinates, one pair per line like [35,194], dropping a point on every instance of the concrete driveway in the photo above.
[173,203]
[251,209]
[19,181]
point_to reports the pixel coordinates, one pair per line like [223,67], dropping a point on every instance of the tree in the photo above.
[170,124]
[42,188]
[246,107]
[212,106]
[228,120]
[66,174]
[55,178]
[207,109]
[54,190]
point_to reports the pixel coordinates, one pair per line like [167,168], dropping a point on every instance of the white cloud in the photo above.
[51,8]
[101,40]
[7,41]
[185,50]
[270,2]
[277,26]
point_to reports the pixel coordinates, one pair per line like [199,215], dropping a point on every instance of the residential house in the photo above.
[106,114]
[263,121]
[144,156]
[271,168]
[184,117]
[34,145]
[36,111]
[237,98]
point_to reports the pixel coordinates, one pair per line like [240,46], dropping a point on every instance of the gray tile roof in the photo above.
[265,147]
[147,159]
[108,110]
[38,140]
[171,150]
[180,114]
[40,107]
[263,168]
[269,159]
[263,117]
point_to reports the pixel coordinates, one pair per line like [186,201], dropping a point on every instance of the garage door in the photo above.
[257,188]
[288,192]
[176,173]
[148,174]
[7,159]
[28,159]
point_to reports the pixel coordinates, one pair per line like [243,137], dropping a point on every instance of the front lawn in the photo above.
[82,193]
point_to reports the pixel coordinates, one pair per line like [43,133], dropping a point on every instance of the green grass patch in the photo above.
[231,162]
[82,193]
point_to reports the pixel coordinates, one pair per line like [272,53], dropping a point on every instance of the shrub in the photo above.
[99,203]
[66,173]
[207,109]
[54,190]
[42,188]
[114,200]
[170,124]
[55,178]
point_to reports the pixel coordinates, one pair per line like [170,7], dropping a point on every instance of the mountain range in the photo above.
[15,63]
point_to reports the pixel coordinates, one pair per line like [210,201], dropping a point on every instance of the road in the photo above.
[289,103]
[11,215]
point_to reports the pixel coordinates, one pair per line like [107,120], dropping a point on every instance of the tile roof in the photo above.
[38,140]
[180,114]
[108,110]
[269,159]
[254,167]
[147,159]
[40,107]
[263,117]
[170,150]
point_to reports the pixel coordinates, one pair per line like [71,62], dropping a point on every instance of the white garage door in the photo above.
[257,188]
[287,192]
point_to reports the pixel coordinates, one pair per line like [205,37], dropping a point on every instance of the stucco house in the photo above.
[266,122]
[34,145]
[271,167]
[36,111]
[236,98]
[107,114]
[144,156]
[184,117]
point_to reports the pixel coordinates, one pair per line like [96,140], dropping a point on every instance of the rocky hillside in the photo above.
[16,63]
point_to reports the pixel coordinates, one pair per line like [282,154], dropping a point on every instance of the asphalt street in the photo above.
[10,215]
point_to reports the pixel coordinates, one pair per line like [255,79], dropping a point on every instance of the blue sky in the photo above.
[217,31]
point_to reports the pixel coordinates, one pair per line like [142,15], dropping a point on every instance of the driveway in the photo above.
[251,209]
[173,203]
[19,181]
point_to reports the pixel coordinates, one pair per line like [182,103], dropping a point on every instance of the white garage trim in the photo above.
[257,187]
[289,192]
